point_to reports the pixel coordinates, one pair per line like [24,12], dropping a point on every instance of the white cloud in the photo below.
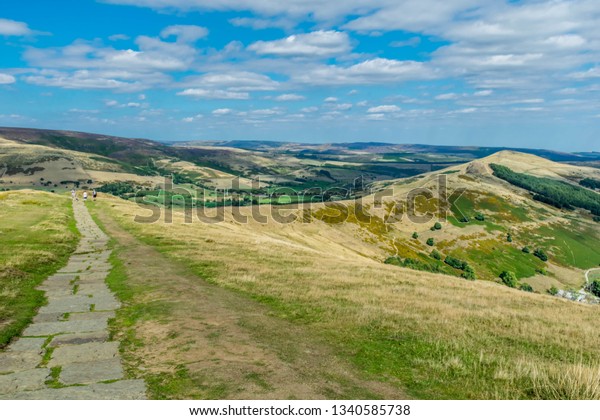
[340,107]
[376,117]
[192,119]
[214,94]
[119,37]
[591,73]
[447,96]
[412,42]
[486,92]
[288,97]
[7,79]
[330,99]
[14,28]
[86,79]
[222,111]
[185,33]
[238,81]
[464,111]
[257,23]
[266,112]
[309,109]
[383,109]
[319,43]
[374,71]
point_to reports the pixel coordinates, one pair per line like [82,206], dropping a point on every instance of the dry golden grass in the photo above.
[442,336]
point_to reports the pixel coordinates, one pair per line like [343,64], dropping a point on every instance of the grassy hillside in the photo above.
[439,336]
[38,235]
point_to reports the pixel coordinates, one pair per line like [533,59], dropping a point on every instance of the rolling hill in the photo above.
[404,280]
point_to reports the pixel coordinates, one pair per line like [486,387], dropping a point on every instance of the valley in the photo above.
[426,271]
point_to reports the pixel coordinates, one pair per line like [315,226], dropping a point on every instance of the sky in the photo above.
[455,72]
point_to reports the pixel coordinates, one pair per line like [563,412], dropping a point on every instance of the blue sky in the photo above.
[464,72]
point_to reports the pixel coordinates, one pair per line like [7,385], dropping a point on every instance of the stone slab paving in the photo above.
[66,353]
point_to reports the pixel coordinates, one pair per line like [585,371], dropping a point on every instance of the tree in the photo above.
[526,250]
[541,254]
[509,238]
[430,242]
[553,291]
[415,235]
[480,217]
[436,254]
[437,226]
[594,288]
[509,278]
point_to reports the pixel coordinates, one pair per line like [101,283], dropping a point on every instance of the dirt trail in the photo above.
[66,352]
[231,346]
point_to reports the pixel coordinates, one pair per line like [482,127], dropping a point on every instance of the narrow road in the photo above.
[66,352]
[587,275]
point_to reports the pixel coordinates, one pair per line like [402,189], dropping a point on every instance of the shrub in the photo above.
[464,219]
[414,264]
[480,217]
[437,226]
[526,250]
[509,278]
[553,291]
[415,235]
[469,273]
[526,287]
[430,242]
[541,254]
[436,254]
[594,288]
[456,263]
[509,238]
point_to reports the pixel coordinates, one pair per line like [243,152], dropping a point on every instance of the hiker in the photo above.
[74,195]
[94,194]
[85,196]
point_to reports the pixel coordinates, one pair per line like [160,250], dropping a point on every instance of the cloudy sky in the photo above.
[467,72]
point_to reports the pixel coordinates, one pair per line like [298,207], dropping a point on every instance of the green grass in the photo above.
[572,245]
[491,257]
[38,236]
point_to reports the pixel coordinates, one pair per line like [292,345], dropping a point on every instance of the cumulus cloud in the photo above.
[383,109]
[222,111]
[319,43]
[193,118]
[288,97]
[82,79]
[237,81]
[214,94]
[14,28]
[185,33]
[7,79]
[369,72]
[447,96]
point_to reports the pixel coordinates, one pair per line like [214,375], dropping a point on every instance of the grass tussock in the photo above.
[571,382]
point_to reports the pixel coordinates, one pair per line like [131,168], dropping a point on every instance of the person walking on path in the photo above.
[74,194]
[94,194]
[85,194]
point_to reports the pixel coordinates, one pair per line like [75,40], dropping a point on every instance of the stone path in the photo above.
[66,353]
